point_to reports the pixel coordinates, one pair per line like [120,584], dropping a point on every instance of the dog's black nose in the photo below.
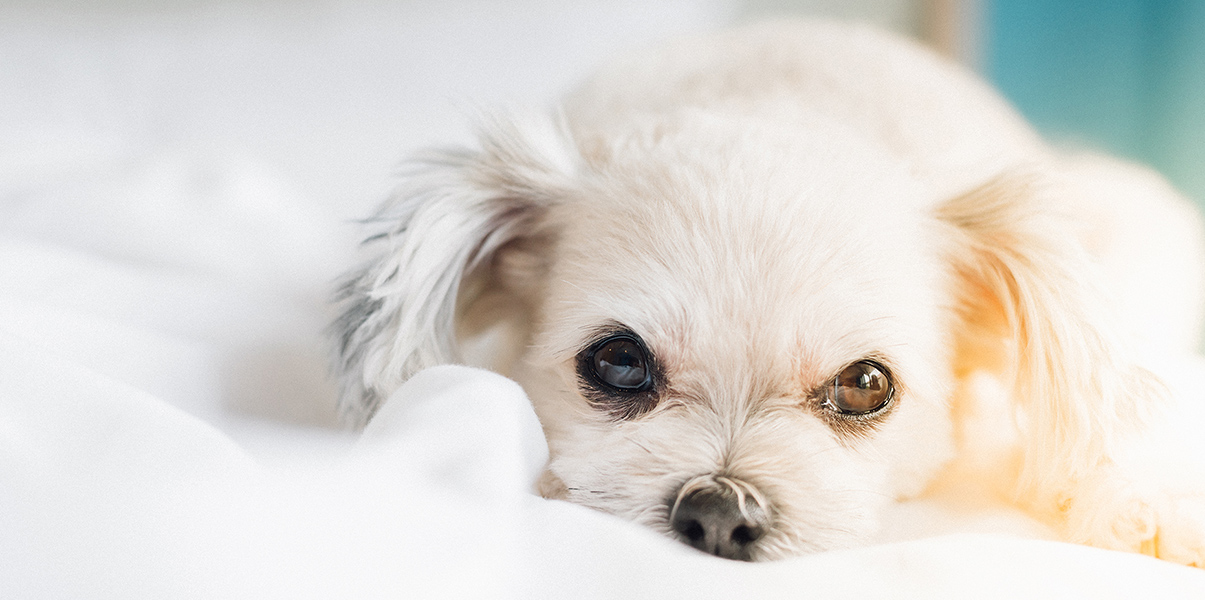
[719,521]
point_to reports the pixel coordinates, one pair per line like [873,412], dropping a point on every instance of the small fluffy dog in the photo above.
[746,280]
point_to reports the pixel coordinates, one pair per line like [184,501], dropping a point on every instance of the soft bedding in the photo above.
[168,236]
[111,493]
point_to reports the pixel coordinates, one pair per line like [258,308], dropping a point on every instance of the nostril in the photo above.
[745,535]
[693,531]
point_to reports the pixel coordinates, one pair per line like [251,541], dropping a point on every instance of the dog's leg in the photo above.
[1148,242]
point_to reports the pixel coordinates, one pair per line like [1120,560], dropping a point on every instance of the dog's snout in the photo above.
[721,520]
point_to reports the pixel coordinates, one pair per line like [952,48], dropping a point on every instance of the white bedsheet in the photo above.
[166,422]
[108,492]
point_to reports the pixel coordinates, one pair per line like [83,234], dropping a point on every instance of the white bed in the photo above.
[176,186]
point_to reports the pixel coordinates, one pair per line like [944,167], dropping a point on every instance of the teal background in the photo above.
[1122,76]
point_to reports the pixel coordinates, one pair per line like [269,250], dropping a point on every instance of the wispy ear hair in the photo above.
[452,213]
[1025,281]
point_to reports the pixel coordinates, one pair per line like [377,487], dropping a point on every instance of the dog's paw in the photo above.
[1180,533]
[1113,511]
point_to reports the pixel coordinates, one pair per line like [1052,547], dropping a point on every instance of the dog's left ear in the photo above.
[439,245]
[1029,307]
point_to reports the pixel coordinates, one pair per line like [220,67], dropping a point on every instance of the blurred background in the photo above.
[330,94]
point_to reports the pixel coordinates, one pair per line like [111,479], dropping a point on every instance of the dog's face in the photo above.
[735,331]
[742,332]
[742,346]
[737,304]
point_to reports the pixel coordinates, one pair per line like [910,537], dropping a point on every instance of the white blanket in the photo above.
[110,493]
[170,224]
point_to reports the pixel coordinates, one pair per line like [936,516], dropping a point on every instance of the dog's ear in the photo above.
[1030,306]
[436,248]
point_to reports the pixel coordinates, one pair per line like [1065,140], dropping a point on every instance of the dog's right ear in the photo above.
[435,251]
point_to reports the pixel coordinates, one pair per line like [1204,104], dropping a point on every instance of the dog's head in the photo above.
[741,333]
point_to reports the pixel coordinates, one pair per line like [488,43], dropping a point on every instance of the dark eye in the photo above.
[861,388]
[621,363]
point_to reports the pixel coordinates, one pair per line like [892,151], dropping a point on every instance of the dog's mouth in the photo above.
[720,515]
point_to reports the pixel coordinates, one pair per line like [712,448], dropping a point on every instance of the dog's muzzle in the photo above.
[720,515]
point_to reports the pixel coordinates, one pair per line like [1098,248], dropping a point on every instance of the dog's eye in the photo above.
[619,375]
[621,363]
[861,388]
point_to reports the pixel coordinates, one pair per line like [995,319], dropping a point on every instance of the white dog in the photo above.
[746,279]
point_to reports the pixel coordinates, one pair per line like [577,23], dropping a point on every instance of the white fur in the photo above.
[764,207]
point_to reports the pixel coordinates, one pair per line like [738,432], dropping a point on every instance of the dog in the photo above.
[747,278]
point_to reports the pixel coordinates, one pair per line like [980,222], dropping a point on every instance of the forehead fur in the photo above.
[762,231]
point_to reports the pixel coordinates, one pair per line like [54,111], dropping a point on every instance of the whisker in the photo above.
[586,490]
[807,457]
[629,438]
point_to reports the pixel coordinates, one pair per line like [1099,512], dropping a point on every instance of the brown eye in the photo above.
[620,363]
[861,388]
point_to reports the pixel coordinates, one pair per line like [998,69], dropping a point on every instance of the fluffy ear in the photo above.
[1030,306]
[435,251]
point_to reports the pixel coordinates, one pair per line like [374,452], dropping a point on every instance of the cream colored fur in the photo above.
[763,207]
